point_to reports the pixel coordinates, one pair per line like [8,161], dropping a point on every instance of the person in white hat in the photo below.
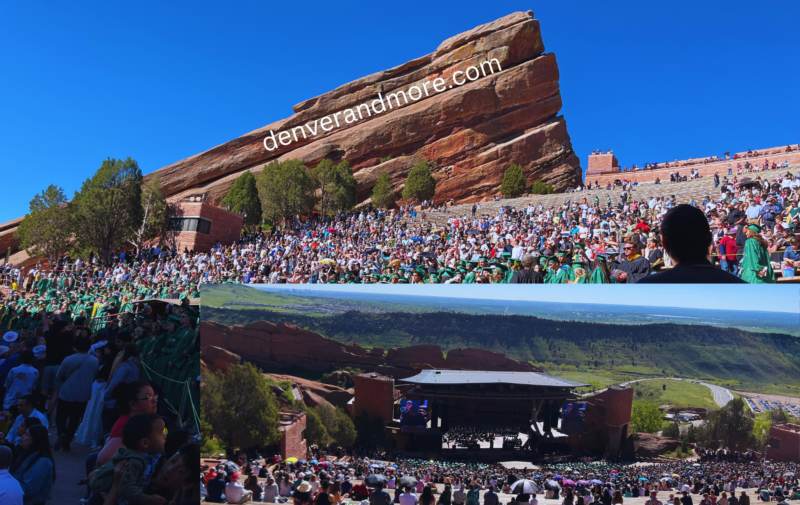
[10,336]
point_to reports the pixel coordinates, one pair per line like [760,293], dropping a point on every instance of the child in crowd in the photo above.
[144,436]
[40,349]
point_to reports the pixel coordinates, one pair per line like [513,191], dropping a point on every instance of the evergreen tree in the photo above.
[243,199]
[420,184]
[286,190]
[514,182]
[239,407]
[338,186]
[316,432]
[45,231]
[108,208]
[540,188]
[383,195]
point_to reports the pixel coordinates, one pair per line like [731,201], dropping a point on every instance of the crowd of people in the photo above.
[749,231]
[471,436]
[714,477]
[705,161]
[78,356]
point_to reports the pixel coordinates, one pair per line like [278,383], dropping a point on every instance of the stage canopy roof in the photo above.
[466,377]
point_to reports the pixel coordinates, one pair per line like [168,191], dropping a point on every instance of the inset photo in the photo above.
[501,392]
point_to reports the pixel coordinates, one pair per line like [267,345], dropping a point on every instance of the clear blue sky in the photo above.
[783,298]
[161,81]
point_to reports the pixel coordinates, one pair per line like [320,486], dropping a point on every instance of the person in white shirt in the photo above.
[10,490]
[270,491]
[26,410]
[408,498]
[235,492]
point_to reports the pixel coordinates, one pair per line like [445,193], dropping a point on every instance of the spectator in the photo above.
[10,490]
[34,468]
[26,409]
[687,239]
[76,375]
[21,381]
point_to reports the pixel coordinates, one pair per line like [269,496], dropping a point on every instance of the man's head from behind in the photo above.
[685,233]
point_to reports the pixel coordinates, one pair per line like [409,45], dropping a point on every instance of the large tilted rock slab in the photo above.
[472,132]
[281,346]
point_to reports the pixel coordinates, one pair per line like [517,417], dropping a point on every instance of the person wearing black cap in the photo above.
[527,275]
[686,237]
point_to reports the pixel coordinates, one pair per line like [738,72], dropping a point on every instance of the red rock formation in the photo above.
[276,346]
[315,393]
[649,446]
[472,131]
[215,358]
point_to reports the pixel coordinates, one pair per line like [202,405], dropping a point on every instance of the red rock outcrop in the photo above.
[281,346]
[473,132]
[315,393]
[215,358]
[649,446]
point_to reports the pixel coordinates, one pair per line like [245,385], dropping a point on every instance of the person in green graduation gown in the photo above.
[162,352]
[579,272]
[600,273]
[177,368]
[756,268]
[552,267]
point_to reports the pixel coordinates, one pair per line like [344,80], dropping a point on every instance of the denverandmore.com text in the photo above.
[378,105]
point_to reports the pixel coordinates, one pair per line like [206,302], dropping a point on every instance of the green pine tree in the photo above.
[45,230]
[514,182]
[243,199]
[420,184]
[286,190]
[540,188]
[107,209]
[338,186]
[383,195]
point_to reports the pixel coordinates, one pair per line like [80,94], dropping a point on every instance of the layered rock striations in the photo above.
[472,132]
[285,346]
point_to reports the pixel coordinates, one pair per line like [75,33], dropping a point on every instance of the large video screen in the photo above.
[413,416]
[573,415]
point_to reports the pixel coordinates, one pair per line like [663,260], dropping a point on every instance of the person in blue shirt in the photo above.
[26,409]
[34,469]
[791,256]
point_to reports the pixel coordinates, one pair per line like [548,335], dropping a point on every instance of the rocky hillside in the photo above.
[473,132]
[283,346]
[693,351]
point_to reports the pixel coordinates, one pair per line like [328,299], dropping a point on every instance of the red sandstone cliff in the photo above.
[284,345]
[473,132]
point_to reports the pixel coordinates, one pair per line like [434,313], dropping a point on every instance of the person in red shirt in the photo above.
[727,252]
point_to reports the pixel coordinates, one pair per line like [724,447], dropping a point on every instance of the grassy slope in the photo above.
[678,394]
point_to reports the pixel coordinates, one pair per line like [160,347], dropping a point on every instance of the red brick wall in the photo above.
[293,443]
[788,438]
[619,404]
[705,170]
[375,395]
[602,163]
[226,227]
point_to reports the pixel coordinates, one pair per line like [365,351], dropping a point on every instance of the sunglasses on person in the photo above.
[628,248]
